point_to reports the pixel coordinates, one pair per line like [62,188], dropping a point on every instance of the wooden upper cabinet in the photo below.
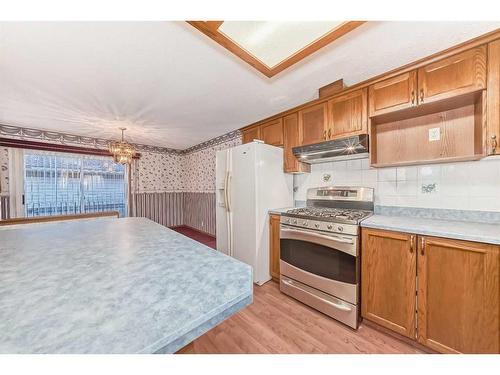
[393,94]
[458,296]
[348,114]
[493,99]
[272,132]
[250,134]
[313,124]
[388,272]
[291,140]
[274,246]
[456,75]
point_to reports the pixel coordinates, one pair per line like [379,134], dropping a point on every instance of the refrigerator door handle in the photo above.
[228,191]
[225,190]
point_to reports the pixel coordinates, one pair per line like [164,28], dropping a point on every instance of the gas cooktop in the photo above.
[353,216]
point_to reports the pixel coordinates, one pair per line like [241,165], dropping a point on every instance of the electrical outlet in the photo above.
[434,134]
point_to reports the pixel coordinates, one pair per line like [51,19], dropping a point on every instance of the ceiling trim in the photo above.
[19,133]
[65,139]
[210,29]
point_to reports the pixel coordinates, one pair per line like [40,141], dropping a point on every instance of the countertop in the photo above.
[461,230]
[112,286]
[279,211]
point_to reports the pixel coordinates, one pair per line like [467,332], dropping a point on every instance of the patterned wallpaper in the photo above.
[158,170]
[198,167]
[155,172]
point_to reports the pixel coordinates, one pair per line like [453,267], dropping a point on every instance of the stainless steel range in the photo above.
[319,258]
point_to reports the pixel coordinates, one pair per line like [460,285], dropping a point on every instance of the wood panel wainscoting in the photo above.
[164,208]
[199,211]
[4,208]
[173,209]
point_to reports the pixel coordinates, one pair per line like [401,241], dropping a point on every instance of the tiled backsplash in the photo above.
[471,185]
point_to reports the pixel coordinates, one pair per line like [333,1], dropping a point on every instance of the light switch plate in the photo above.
[434,134]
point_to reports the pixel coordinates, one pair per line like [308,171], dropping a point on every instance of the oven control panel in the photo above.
[318,225]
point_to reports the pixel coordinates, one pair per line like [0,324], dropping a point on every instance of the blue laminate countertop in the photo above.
[112,286]
[461,230]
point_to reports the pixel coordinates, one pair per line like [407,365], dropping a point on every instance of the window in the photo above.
[64,184]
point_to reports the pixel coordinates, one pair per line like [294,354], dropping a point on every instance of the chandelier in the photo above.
[122,151]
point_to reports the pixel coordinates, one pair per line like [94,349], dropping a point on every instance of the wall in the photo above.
[198,170]
[471,185]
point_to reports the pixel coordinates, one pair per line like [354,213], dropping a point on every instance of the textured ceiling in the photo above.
[174,87]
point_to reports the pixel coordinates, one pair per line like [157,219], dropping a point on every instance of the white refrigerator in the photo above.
[249,182]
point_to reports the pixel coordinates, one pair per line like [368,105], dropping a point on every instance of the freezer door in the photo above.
[222,215]
[242,203]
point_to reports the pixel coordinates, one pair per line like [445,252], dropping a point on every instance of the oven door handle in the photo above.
[346,245]
[318,235]
[336,305]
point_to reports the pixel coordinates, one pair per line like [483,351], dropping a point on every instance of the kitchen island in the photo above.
[112,286]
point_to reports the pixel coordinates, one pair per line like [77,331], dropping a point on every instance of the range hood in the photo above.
[355,147]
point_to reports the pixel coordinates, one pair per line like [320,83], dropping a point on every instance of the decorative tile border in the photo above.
[213,142]
[65,138]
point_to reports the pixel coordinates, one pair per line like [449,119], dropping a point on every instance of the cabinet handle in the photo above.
[422,246]
[421,95]
[324,134]
[412,241]
[412,97]
[329,133]
[494,144]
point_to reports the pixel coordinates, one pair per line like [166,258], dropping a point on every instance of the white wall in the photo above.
[471,185]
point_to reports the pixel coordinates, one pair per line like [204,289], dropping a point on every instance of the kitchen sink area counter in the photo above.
[453,229]
[112,286]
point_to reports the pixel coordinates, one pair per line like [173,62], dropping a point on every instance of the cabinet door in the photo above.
[291,140]
[458,296]
[348,114]
[274,246]
[493,98]
[393,94]
[250,134]
[456,75]
[272,132]
[388,278]
[313,124]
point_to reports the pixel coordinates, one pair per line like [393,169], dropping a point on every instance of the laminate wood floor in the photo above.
[276,323]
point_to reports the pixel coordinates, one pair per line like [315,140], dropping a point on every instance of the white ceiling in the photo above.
[174,87]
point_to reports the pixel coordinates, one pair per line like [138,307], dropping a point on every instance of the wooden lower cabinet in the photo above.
[458,296]
[274,246]
[388,271]
[458,290]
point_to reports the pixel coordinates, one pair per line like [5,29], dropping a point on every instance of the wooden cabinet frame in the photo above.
[472,333]
[355,115]
[322,127]
[369,262]
[274,246]
[493,106]
[455,292]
